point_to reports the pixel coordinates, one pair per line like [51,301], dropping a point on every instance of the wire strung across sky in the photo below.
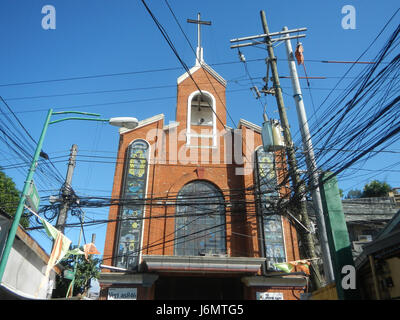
[365,118]
[351,125]
[21,144]
[336,136]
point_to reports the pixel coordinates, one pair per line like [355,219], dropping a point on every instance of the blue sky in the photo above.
[94,38]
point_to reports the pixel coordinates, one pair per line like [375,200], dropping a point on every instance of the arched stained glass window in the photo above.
[272,222]
[200,221]
[134,187]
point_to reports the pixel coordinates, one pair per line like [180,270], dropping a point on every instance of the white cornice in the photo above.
[170,126]
[250,125]
[276,281]
[144,279]
[203,264]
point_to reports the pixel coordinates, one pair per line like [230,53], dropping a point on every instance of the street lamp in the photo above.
[127,122]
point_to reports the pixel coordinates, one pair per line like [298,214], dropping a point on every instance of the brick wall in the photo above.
[167,175]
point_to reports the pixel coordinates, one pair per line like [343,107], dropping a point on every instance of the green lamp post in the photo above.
[126,122]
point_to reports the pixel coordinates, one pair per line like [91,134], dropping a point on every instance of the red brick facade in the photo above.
[172,167]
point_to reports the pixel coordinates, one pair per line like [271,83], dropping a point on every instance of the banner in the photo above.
[90,248]
[288,267]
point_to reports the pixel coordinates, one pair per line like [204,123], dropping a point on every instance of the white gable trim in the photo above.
[186,74]
[207,68]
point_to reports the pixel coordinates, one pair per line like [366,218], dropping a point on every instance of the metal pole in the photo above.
[311,164]
[66,190]
[198,32]
[296,181]
[20,208]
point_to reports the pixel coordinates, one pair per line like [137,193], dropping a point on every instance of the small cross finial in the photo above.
[199,51]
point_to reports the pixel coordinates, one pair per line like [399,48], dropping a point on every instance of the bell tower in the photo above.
[201,99]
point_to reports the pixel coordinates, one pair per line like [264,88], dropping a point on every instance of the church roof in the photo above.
[206,67]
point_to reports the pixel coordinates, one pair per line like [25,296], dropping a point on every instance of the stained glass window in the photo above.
[134,187]
[272,222]
[200,221]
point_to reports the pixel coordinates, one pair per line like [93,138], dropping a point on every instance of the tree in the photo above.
[354,194]
[9,197]
[376,189]
[86,270]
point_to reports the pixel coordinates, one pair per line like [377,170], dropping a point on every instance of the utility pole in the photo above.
[310,161]
[66,190]
[293,171]
[297,184]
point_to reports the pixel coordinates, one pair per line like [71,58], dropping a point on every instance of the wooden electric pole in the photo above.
[66,191]
[297,184]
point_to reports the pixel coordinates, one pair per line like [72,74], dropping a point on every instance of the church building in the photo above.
[192,220]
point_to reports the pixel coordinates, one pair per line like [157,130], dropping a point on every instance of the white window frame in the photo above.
[189,134]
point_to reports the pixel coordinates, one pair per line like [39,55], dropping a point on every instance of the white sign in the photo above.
[269,296]
[122,294]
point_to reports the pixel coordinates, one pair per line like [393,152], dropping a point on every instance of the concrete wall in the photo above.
[364,216]
[25,269]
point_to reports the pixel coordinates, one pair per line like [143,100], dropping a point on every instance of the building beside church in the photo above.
[24,276]
[365,218]
[193,221]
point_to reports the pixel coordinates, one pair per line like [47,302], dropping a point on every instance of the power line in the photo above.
[109,103]
[109,75]
[19,140]
[102,91]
